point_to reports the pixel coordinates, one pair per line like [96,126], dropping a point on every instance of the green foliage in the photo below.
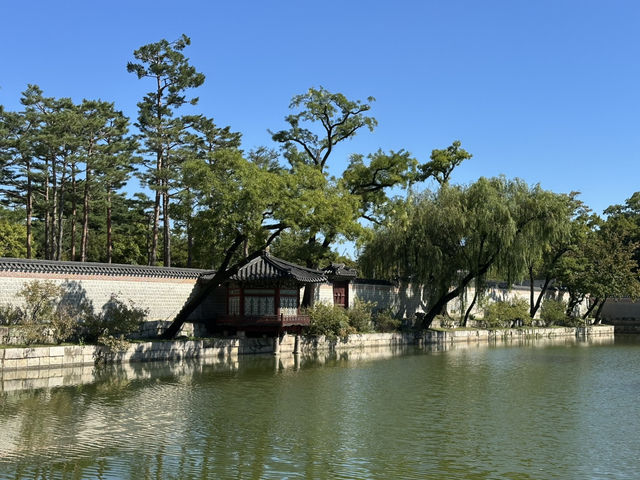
[331,321]
[385,321]
[449,238]
[44,318]
[116,320]
[10,315]
[360,316]
[553,312]
[12,239]
[443,162]
[505,314]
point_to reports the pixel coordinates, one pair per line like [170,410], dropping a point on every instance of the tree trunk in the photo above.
[63,182]
[189,245]
[591,307]
[74,212]
[222,274]
[531,292]
[109,240]
[84,246]
[54,210]
[471,305]
[598,318]
[450,295]
[46,214]
[166,241]
[29,208]
[543,292]
[153,256]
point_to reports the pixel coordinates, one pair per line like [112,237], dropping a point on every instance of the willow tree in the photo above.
[444,240]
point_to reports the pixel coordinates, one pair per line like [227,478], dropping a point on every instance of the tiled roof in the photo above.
[90,268]
[340,270]
[267,267]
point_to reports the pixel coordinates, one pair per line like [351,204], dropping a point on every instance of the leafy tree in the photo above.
[164,63]
[12,239]
[447,239]
[443,162]
[602,267]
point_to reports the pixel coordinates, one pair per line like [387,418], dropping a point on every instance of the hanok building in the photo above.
[263,297]
[339,276]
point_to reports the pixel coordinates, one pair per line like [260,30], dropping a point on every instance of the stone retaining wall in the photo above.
[452,336]
[230,348]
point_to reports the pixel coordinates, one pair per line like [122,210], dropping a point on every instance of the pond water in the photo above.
[540,410]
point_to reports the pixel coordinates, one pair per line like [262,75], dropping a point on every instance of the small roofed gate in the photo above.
[340,276]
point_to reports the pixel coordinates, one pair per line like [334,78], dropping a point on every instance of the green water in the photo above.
[534,411]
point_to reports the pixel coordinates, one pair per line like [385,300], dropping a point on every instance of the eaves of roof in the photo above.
[90,268]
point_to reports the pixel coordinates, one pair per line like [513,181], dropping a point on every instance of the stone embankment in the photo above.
[460,335]
[223,349]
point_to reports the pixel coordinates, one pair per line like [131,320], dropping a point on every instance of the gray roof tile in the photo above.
[89,268]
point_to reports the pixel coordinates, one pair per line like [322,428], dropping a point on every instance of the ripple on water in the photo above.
[505,413]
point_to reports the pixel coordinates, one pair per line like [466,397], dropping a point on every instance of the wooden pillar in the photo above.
[277,300]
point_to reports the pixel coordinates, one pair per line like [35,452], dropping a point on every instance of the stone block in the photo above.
[56,351]
[11,363]
[71,359]
[55,360]
[14,353]
[21,363]
[45,361]
[55,381]
[11,385]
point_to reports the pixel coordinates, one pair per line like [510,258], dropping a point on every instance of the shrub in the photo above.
[506,314]
[44,318]
[360,315]
[117,320]
[553,312]
[10,315]
[329,320]
[385,321]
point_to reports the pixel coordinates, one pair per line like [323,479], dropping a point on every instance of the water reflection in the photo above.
[463,410]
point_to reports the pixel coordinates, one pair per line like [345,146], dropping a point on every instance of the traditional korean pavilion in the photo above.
[264,296]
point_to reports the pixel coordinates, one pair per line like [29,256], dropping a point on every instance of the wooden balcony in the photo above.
[280,321]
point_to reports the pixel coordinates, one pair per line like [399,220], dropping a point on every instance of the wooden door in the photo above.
[341,294]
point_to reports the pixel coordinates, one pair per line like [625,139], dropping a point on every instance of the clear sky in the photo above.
[548,91]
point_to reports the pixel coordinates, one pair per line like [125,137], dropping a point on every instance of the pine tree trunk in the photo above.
[59,243]
[189,245]
[29,209]
[109,240]
[46,214]
[166,241]
[54,211]
[74,213]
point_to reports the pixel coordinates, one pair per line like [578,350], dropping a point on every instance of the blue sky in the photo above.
[548,91]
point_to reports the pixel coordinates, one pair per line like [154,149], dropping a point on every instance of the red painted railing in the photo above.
[263,320]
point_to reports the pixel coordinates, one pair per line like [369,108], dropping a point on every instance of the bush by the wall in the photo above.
[385,321]
[44,319]
[116,320]
[506,314]
[329,320]
[360,316]
[553,312]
